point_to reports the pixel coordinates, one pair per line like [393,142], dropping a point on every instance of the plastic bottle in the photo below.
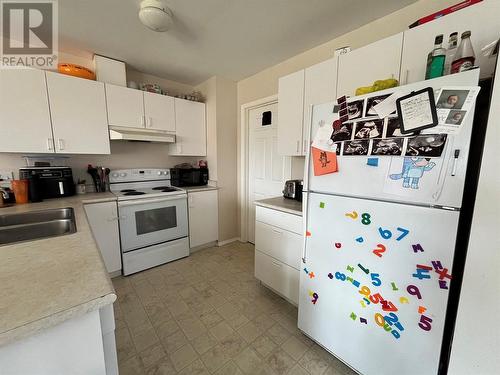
[464,57]
[450,52]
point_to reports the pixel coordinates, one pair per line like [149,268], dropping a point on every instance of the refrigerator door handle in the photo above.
[276,264]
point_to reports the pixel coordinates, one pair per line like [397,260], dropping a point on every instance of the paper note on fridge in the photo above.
[388,106]
[322,138]
[453,106]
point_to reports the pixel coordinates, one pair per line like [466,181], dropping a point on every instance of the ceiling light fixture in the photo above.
[155,15]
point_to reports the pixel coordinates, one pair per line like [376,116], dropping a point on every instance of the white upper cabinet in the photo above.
[190,129]
[481,19]
[24,112]
[78,111]
[125,107]
[159,111]
[320,87]
[290,113]
[363,66]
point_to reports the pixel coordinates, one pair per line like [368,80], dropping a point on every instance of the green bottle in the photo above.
[436,67]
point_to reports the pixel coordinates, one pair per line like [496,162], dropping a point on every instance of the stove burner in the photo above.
[160,188]
[133,192]
[168,189]
[127,190]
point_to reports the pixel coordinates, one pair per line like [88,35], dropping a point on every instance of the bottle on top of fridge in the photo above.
[450,52]
[464,57]
[436,66]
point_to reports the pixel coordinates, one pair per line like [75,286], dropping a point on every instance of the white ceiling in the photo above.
[231,38]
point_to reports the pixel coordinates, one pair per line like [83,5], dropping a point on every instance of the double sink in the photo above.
[34,225]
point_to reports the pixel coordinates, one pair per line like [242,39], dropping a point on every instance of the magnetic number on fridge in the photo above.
[353,215]
[376,298]
[379,250]
[339,276]
[403,234]
[338,245]
[414,291]
[375,279]
[366,219]
[350,269]
[365,291]
[365,270]
[425,323]
[330,276]
[385,233]
[388,306]
[379,319]
[392,319]
[394,287]
[404,300]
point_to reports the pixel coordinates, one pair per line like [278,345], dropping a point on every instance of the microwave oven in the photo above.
[188,176]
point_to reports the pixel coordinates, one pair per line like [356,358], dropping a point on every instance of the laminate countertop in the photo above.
[281,204]
[194,189]
[46,282]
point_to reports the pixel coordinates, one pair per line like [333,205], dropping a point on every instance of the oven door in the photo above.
[145,222]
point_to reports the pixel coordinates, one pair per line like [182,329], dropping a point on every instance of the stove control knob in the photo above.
[160,173]
[114,174]
[123,174]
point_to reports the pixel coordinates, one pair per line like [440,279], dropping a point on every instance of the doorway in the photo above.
[264,172]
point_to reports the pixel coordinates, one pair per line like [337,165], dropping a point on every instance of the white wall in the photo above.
[476,342]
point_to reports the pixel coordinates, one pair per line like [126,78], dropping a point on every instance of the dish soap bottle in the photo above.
[450,52]
[436,66]
[464,57]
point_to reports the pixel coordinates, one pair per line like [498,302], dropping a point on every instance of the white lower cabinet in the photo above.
[203,217]
[278,249]
[103,221]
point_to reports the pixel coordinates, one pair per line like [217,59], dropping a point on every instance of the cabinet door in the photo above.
[203,217]
[103,221]
[481,19]
[159,111]
[24,112]
[320,87]
[125,107]
[190,129]
[363,66]
[290,114]
[78,111]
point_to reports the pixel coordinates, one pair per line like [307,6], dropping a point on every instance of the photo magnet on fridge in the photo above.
[417,111]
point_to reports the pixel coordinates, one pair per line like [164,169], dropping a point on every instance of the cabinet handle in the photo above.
[277,232]
[305,146]
[150,122]
[143,121]
[60,143]
[407,74]
[50,144]
[297,148]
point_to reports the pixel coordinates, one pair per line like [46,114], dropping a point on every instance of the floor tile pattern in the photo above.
[207,314]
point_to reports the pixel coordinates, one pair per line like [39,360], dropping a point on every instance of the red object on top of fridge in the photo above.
[443,12]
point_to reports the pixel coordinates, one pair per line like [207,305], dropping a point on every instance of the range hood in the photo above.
[140,134]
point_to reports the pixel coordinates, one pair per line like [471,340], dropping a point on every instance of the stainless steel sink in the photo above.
[28,226]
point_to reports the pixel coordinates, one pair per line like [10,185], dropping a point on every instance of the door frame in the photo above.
[243,179]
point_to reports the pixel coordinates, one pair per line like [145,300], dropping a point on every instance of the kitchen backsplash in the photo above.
[123,155]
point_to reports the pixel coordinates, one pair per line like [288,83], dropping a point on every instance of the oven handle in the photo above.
[137,202]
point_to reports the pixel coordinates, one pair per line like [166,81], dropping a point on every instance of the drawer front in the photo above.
[279,219]
[281,244]
[277,275]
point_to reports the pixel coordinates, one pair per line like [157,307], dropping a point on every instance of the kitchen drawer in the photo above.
[283,220]
[281,244]
[278,276]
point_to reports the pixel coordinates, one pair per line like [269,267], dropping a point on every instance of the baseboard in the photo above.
[225,242]
[204,246]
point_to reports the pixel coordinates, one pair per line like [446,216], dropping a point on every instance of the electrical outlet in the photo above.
[6,175]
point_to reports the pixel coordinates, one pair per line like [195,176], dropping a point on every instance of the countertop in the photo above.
[46,282]
[281,204]
[192,189]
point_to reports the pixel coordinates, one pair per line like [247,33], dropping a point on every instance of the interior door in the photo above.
[78,110]
[159,111]
[267,170]
[24,112]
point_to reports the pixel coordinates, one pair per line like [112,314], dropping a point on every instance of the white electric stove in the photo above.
[153,218]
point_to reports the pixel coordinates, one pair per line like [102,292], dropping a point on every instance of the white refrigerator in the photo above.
[379,248]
